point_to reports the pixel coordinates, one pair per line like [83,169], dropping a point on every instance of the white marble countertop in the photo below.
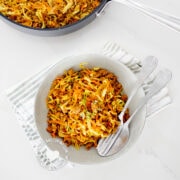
[156,153]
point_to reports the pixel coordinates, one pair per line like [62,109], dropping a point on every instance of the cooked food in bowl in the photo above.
[47,13]
[124,76]
[83,106]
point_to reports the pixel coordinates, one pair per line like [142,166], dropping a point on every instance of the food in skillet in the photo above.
[83,106]
[47,13]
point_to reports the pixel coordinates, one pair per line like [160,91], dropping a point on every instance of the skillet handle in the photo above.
[102,10]
[169,20]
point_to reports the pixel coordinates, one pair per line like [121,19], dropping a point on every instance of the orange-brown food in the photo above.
[47,13]
[83,106]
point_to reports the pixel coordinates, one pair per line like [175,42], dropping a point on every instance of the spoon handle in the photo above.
[161,80]
[148,65]
[169,20]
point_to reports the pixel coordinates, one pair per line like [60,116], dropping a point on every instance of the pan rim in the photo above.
[94,12]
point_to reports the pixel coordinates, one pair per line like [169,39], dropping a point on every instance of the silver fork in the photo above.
[148,65]
[121,137]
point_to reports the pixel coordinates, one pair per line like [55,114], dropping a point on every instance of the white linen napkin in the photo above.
[22,97]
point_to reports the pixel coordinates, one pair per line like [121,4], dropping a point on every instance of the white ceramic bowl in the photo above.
[125,76]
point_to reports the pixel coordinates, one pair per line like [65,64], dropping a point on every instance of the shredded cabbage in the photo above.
[47,13]
[83,106]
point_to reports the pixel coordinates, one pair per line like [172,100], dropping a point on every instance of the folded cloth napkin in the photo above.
[22,98]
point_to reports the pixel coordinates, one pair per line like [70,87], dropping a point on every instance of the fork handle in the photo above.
[169,20]
[161,80]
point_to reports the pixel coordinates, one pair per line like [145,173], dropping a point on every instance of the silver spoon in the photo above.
[148,66]
[122,135]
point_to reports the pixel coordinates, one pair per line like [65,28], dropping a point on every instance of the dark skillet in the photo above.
[58,31]
[169,20]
